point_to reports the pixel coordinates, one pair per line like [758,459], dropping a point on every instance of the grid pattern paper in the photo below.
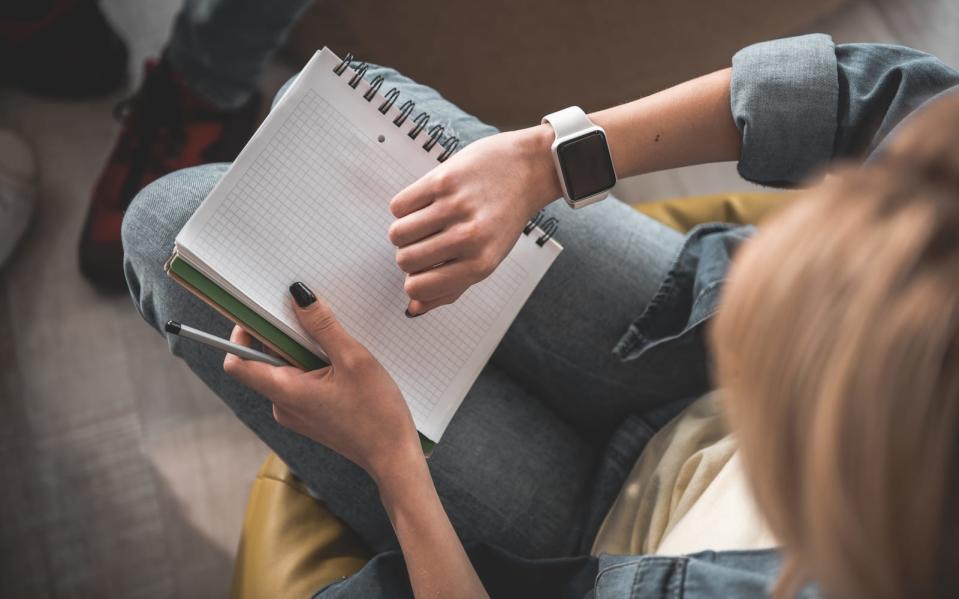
[313,207]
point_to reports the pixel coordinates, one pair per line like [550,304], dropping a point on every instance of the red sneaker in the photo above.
[165,128]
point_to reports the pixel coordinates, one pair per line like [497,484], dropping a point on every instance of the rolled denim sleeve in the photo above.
[784,96]
[802,102]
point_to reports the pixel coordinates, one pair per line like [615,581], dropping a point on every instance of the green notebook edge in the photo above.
[250,319]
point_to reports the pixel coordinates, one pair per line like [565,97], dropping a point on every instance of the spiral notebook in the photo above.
[307,200]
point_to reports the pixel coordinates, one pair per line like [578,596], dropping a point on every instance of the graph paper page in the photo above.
[307,200]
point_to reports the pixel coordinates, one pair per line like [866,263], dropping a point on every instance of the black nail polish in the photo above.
[410,314]
[302,294]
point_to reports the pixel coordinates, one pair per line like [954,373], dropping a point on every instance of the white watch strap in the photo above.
[568,121]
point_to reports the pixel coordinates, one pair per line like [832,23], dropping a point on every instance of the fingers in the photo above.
[426,254]
[417,308]
[413,198]
[265,379]
[448,279]
[422,193]
[239,336]
[318,319]
[283,416]
[419,225]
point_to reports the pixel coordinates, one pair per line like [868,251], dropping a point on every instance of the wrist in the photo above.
[534,144]
[406,483]
[401,464]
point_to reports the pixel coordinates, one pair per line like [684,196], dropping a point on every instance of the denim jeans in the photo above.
[222,46]
[518,465]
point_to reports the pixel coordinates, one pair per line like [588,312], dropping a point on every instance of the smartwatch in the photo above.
[581,156]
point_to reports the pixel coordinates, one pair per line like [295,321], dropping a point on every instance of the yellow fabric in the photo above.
[743,208]
[685,493]
[292,546]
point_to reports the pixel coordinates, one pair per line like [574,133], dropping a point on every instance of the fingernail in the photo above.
[302,294]
[410,314]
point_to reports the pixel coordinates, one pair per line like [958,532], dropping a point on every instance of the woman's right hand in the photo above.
[352,406]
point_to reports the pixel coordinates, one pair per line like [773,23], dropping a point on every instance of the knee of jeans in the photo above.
[150,226]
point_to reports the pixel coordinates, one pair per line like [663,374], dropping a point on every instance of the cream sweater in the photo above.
[687,492]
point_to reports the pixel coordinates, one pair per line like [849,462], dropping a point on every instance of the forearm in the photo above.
[687,124]
[435,559]
[690,123]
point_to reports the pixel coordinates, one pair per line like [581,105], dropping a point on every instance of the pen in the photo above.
[175,328]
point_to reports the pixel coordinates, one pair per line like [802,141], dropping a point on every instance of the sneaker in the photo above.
[60,49]
[165,128]
[18,191]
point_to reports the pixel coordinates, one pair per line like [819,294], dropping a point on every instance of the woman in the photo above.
[542,444]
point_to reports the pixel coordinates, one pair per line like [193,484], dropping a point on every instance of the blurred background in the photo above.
[123,476]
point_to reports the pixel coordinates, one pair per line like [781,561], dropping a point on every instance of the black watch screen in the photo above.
[586,165]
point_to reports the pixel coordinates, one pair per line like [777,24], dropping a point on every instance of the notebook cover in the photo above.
[243,315]
[198,284]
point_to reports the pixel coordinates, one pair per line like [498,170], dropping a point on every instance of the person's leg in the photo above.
[561,344]
[508,471]
[220,47]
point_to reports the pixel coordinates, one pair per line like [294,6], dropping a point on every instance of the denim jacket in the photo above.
[800,103]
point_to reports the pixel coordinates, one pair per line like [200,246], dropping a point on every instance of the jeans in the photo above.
[221,47]
[519,463]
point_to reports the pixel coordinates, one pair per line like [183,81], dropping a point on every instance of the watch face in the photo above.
[587,167]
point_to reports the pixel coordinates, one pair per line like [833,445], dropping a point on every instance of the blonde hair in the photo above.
[838,343]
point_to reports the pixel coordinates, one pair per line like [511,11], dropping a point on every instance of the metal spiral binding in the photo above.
[358,75]
[420,123]
[449,146]
[338,69]
[436,131]
[405,110]
[549,227]
[375,86]
[534,222]
[390,98]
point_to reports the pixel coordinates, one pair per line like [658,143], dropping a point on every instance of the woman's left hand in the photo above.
[457,223]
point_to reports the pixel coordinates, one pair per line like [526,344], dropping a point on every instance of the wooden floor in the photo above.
[122,476]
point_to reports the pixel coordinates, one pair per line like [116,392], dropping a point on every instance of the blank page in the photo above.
[307,200]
